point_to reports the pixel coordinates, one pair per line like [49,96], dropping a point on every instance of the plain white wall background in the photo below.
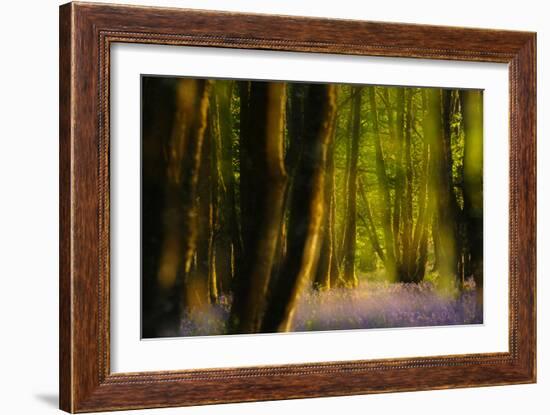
[29,205]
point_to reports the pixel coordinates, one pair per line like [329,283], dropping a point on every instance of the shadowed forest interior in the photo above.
[284,206]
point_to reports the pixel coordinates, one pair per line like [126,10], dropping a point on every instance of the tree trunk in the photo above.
[349,277]
[182,171]
[296,96]
[213,176]
[445,231]
[200,286]
[160,304]
[341,252]
[455,212]
[240,284]
[228,245]
[334,265]
[295,125]
[327,256]
[420,233]
[390,263]
[263,196]
[306,210]
[399,182]
[246,170]
[409,254]
[472,116]
[369,224]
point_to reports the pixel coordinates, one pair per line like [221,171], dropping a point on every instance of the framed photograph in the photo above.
[258,207]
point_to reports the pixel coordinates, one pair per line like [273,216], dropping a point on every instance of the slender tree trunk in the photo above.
[327,257]
[306,210]
[472,116]
[444,231]
[228,246]
[240,284]
[408,254]
[369,224]
[295,126]
[390,263]
[213,176]
[399,182]
[246,170]
[422,256]
[457,189]
[454,212]
[349,277]
[160,304]
[264,166]
[435,237]
[296,96]
[200,286]
[334,265]
[345,185]
[184,159]
[420,234]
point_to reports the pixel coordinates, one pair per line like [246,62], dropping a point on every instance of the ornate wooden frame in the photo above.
[86,33]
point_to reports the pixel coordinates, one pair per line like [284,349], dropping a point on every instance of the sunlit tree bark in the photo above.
[306,210]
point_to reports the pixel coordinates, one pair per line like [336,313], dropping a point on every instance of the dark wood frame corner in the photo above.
[86,33]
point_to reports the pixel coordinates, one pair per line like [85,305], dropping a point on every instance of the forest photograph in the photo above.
[273,206]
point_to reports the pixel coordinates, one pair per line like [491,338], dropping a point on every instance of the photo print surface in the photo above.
[272,206]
